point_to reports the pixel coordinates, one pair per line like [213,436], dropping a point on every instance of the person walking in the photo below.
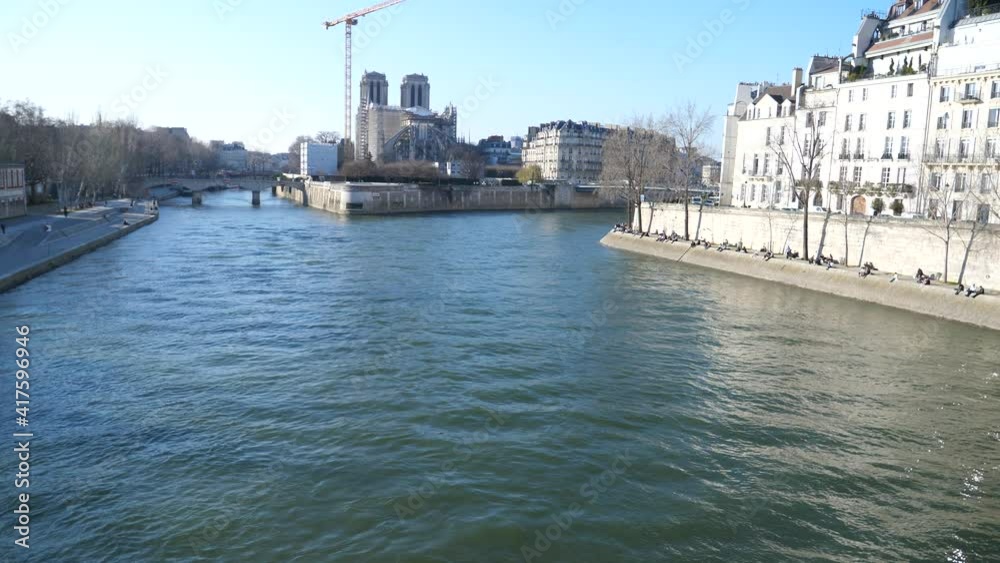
[65,212]
[3,229]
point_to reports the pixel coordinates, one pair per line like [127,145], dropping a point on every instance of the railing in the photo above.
[967,70]
[903,156]
[977,157]
[859,156]
[845,156]
[887,156]
[970,98]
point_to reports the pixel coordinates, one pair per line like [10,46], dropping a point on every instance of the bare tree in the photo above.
[327,137]
[801,157]
[688,124]
[634,157]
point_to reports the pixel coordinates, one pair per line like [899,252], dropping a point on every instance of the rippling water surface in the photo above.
[281,384]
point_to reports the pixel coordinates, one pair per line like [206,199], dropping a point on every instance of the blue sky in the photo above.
[266,71]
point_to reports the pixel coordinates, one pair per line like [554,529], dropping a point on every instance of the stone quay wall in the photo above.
[935,300]
[891,244]
[389,199]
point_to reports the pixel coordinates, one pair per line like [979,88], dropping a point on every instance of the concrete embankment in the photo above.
[936,301]
[21,261]
[360,198]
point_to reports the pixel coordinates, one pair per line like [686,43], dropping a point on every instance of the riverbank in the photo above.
[936,300]
[361,198]
[28,250]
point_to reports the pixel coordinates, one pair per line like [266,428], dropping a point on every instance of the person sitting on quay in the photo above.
[768,255]
[975,291]
[125,222]
[922,278]
[866,270]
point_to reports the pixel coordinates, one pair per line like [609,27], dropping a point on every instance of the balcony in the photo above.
[977,158]
[859,156]
[845,156]
[903,156]
[887,156]
[972,98]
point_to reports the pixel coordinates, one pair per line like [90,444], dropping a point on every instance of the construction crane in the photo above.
[349,21]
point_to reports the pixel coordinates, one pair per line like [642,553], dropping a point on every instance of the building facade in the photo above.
[318,159]
[410,131]
[233,157]
[566,151]
[499,152]
[13,191]
[904,124]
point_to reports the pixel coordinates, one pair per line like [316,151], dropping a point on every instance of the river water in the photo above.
[281,384]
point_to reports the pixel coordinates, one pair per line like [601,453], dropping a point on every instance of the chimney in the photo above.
[796,79]
[796,84]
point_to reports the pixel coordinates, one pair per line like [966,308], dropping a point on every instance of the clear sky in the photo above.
[264,71]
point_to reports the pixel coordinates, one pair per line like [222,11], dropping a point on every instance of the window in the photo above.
[779,111]
[862,122]
[887,153]
[864,94]
[994,120]
[767,136]
[901,176]
[857,175]
[940,148]
[886,176]
[822,118]
[847,123]
[936,179]
[907,119]
[763,193]
[909,87]
[743,192]
[933,209]
[859,149]
[892,91]
[965,149]
[904,147]
[756,165]
[945,94]
[970,91]
[767,164]
[809,119]
[891,121]
[956,210]
[845,148]
[983,213]
[942,122]
[753,192]
[995,90]
[781,137]
[991,148]
[967,119]
[843,174]
[850,95]
[777,191]
[961,181]
[985,183]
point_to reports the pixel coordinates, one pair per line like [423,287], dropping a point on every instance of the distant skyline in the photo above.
[263,72]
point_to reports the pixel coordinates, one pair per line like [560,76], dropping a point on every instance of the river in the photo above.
[280,384]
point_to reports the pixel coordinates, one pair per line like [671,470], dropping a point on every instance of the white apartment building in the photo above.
[13,191]
[567,151]
[963,146]
[887,129]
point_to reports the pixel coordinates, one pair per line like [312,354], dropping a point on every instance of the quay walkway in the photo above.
[29,249]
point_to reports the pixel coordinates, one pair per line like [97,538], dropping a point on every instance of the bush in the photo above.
[897,207]
[878,206]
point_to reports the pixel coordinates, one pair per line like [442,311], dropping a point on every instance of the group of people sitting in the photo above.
[738,248]
[623,228]
[672,238]
[972,291]
[867,270]
[922,278]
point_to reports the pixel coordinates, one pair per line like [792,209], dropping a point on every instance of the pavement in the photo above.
[28,241]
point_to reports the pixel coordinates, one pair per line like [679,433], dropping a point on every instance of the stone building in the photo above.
[566,151]
[869,112]
[13,191]
[415,92]
[410,131]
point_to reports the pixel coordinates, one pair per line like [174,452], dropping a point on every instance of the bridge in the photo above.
[196,186]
